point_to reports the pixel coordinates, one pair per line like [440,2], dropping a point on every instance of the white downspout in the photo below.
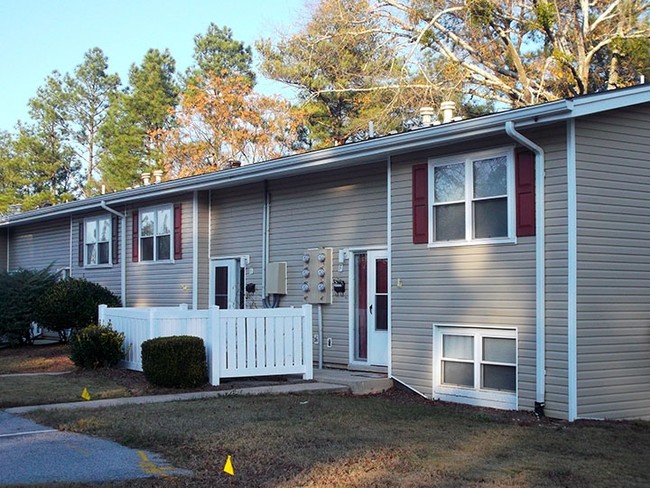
[540,266]
[195,251]
[389,250]
[122,218]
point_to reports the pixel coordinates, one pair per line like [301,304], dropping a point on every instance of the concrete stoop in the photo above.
[359,382]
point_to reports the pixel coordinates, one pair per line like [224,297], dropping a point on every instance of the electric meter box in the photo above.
[276,278]
[317,275]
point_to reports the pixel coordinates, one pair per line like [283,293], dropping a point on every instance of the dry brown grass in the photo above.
[395,439]
[52,358]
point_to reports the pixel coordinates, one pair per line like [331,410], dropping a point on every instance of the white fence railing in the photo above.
[239,343]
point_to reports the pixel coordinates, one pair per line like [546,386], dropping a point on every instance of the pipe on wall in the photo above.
[540,281]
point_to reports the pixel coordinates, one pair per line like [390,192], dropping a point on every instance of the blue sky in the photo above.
[39,36]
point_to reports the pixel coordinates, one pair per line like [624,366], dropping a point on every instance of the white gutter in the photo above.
[540,266]
[122,218]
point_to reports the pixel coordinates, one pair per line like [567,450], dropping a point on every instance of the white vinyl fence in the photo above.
[239,343]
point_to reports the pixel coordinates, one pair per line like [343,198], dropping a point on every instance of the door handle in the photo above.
[370,309]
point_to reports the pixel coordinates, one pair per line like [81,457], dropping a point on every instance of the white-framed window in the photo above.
[156,226]
[97,241]
[476,365]
[471,200]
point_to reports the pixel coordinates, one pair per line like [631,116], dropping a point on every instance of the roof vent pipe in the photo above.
[157,175]
[448,109]
[146,178]
[427,113]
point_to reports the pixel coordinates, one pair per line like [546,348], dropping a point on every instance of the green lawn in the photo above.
[394,439]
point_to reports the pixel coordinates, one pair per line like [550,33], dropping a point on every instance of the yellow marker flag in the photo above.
[228,467]
[85,395]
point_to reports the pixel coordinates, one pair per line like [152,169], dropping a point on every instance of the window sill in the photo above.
[98,266]
[162,261]
[479,398]
[475,242]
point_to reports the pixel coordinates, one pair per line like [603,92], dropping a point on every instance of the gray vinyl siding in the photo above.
[340,209]
[108,276]
[236,217]
[161,284]
[556,264]
[3,249]
[203,248]
[613,205]
[474,285]
[37,246]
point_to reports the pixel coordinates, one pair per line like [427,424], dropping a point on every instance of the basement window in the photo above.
[477,366]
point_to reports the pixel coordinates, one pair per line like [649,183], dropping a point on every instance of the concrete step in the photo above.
[359,382]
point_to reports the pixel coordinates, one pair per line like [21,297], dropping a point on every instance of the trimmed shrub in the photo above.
[176,362]
[97,346]
[20,292]
[72,304]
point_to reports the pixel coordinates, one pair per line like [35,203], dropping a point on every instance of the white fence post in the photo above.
[308,352]
[101,315]
[214,360]
[152,331]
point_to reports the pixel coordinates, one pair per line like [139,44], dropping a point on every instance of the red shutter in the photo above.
[135,244]
[178,238]
[81,244]
[115,246]
[420,199]
[525,193]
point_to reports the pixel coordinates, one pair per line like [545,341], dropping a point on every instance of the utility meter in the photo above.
[317,275]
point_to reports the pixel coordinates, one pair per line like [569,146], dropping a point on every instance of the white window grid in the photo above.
[468,161]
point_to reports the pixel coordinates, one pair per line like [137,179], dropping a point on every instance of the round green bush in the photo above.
[97,346]
[72,304]
[176,361]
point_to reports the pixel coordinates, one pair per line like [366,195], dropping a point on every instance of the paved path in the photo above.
[32,453]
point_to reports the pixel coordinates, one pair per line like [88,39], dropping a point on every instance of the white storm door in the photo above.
[225,289]
[377,289]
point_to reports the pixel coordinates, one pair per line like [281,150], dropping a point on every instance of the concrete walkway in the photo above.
[325,381]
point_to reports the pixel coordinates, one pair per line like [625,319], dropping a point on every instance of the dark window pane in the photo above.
[221,286]
[146,249]
[163,250]
[91,254]
[490,177]
[449,222]
[361,314]
[461,374]
[382,276]
[381,315]
[491,218]
[103,252]
[499,377]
